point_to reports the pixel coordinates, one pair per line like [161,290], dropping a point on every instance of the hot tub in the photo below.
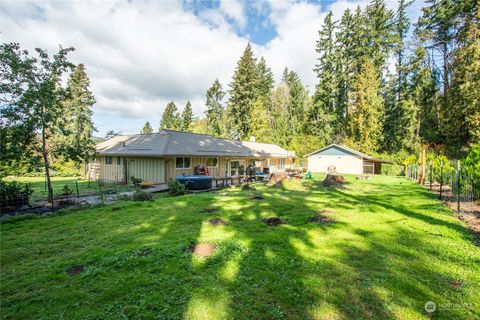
[196,182]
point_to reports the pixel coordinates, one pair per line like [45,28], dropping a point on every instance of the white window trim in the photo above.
[108,164]
[190,167]
[216,166]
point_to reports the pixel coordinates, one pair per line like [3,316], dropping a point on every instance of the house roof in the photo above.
[358,153]
[174,143]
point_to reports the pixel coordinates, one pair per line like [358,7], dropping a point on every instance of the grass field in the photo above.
[392,247]
[85,187]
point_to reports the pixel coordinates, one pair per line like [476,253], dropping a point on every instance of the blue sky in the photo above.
[140,55]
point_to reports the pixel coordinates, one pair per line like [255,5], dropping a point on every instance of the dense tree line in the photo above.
[376,91]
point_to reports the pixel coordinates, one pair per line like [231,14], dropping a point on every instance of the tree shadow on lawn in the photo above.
[270,272]
[298,270]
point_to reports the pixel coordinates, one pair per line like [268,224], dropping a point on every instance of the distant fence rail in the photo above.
[455,185]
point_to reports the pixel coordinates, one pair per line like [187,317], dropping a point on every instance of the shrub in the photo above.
[176,188]
[13,193]
[136,181]
[142,196]
[66,190]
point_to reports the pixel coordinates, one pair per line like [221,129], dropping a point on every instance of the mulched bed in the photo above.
[116,208]
[273,222]
[74,270]
[203,250]
[217,222]
[257,197]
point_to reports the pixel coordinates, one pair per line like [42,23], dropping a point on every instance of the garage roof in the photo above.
[358,153]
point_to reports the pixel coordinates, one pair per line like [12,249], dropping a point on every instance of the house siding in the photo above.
[160,170]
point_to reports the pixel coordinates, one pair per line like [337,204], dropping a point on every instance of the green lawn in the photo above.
[85,187]
[392,249]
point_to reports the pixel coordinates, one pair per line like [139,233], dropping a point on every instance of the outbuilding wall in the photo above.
[342,160]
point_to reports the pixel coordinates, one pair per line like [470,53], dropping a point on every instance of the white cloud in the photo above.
[234,10]
[141,55]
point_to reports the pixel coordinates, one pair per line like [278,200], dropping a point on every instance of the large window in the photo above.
[108,160]
[119,161]
[212,162]
[282,164]
[182,163]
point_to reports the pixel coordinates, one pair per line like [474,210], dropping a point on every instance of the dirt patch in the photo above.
[144,252]
[74,270]
[208,210]
[273,222]
[321,219]
[203,250]
[362,177]
[456,284]
[116,208]
[333,180]
[257,197]
[217,222]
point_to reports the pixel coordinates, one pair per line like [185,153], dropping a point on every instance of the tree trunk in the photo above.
[47,167]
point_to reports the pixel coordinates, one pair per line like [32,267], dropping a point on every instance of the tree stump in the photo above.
[333,180]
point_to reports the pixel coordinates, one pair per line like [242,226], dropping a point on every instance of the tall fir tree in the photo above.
[325,69]
[147,128]
[170,118]
[345,68]
[243,94]
[265,79]
[297,103]
[214,109]
[77,144]
[366,110]
[187,117]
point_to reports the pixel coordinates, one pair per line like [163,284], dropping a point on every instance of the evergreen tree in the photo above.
[76,142]
[325,94]
[345,68]
[170,118]
[187,117]
[214,109]
[147,128]
[110,134]
[243,95]
[463,119]
[379,33]
[265,79]
[366,110]
[296,104]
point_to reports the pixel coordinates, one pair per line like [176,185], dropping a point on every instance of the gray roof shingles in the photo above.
[175,143]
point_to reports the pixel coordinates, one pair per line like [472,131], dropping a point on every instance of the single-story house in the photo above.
[159,157]
[344,160]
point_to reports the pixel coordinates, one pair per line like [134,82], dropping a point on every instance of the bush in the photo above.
[142,196]
[136,181]
[13,193]
[66,190]
[176,188]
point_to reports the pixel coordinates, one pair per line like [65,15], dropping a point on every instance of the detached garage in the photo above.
[344,160]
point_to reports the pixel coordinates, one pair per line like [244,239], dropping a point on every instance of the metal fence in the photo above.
[454,184]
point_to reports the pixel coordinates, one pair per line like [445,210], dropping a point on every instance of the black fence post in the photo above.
[431,174]
[458,186]
[441,179]
[78,193]
[101,193]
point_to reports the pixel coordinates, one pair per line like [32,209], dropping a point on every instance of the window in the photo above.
[182,163]
[212,162]
[119,161]
[108,160]
[282,164]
